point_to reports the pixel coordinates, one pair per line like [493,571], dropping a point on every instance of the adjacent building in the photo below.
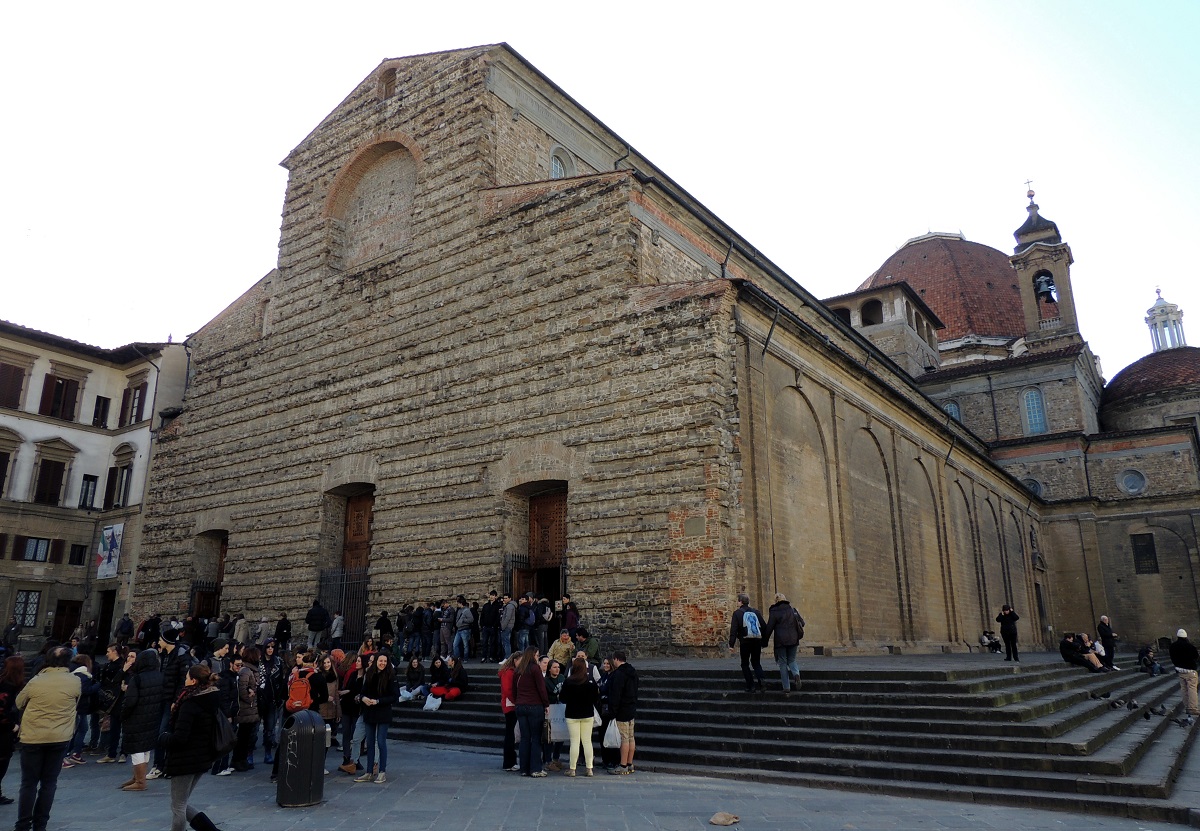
[75,447]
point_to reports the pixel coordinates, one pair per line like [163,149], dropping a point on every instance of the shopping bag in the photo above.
[612,736]
[432,702]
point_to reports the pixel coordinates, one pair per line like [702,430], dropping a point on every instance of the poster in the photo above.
[108,554]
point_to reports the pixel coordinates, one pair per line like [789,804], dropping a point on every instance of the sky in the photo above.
[142,190]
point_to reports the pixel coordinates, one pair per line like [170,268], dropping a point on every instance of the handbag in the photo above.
[612,736]
[225,738]
[546,732]
[432,702]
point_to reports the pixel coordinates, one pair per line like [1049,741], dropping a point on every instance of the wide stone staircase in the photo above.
[964,727]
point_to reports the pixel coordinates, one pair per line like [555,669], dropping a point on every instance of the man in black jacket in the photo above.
[489,629]
[746,626]
[1185,657]
[283,631]
[176,659]
[622,705]
[317,621]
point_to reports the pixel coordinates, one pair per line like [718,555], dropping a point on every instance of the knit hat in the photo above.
[1182,633]
[169,635]
[219,643]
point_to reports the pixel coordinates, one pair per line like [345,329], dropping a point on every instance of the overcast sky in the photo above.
[141,142]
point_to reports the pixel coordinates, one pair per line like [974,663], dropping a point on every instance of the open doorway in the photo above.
[536,537]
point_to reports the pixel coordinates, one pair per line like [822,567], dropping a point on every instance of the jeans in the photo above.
[408,695]
[377,734]
[77,742]
[522,640]
[541,634]
[487,645]
[462,644]
[40,766]
[412,646]
[530,717]
[159,759]
[751,656]
[510,740]
[505,647]
[353,732]
[268,716]
[182,786]
[426,644]
[785,656]
[114,732]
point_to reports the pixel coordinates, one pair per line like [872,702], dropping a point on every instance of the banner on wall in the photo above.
[108,554]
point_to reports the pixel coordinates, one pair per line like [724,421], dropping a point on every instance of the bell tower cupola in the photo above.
[1166,324]
[1043,265]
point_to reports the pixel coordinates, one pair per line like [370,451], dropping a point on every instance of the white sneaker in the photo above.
[154,773]
[226,772]
[380,778]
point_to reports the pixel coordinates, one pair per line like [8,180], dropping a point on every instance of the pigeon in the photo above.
[1095,697]
[1132,705]
[1183,722]
[1146,715]
[1118,704]
[1105,694]
[1160,710]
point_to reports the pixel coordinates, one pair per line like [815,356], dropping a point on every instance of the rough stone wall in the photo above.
[514,317]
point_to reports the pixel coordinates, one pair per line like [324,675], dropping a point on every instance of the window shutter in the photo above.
[18,549]
[70,394]
[110,488]
[11,378]
[3,544]
[124,420]
[141,400]
[56,550]
[47,405]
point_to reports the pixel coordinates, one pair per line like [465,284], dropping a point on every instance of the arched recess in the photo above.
[1152,606]
[928,586]
[1017,566]
[991,555]
[871,545]
[804,566]
[371,199]
[965,568]
[209,551]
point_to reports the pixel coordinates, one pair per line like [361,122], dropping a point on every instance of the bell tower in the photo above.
[1043,265]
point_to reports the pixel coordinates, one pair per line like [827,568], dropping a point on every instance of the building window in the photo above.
[124,478]
[12,381]
[59,396]
[78,555]
[5,461]
[1145,558]
[387,83]
[51,474]
[32,549]
[843,314]
[87,492]
[562,163]
[133,403]
[26,608]
[1033,486]
[100,412]
[951,407]
[1034,407]
[1131,481]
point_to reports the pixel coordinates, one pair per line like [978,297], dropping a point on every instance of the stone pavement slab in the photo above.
[450,789]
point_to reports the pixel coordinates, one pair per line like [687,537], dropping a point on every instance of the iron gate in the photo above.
[345,589]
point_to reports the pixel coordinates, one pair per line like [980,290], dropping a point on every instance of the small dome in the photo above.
[971,287]
[1157,372]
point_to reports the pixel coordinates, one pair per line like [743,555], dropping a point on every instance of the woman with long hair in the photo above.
[532,704]
[552,752]
[581,695]
[351,688]
[140,713]
[12,679]
[414,680]
[191,745]
[246,719]
[508,706]
[456,682]
[331,708]
[377,697]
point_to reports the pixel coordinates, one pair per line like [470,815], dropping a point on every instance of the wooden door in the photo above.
[356,551]
[66,618]
[547,530]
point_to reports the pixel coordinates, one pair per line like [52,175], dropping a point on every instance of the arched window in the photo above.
[1034,408]
[872,313]
[562,163]
[951,407]
[843,314]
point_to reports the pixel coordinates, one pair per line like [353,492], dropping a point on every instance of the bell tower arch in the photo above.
[1043,265]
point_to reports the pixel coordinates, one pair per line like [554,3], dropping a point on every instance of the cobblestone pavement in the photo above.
[434,787]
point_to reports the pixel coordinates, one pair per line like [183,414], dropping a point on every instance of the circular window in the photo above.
[1131,481]
[1033,486]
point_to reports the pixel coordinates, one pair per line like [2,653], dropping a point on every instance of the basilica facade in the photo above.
[501,349]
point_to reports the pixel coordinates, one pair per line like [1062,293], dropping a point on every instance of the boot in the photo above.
[139,778]
[200,822]
[130,781]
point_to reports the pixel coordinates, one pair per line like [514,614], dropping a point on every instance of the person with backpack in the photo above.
[542,615]
[526,620]
[317,621]
[746,626]
[786,624]
[464,619]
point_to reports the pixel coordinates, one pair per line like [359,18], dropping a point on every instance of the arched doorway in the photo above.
[537,539]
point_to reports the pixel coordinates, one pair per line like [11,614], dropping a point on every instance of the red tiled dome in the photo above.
[1157,372]
[971,287]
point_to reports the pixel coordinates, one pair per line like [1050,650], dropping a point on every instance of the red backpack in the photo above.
[299,692]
